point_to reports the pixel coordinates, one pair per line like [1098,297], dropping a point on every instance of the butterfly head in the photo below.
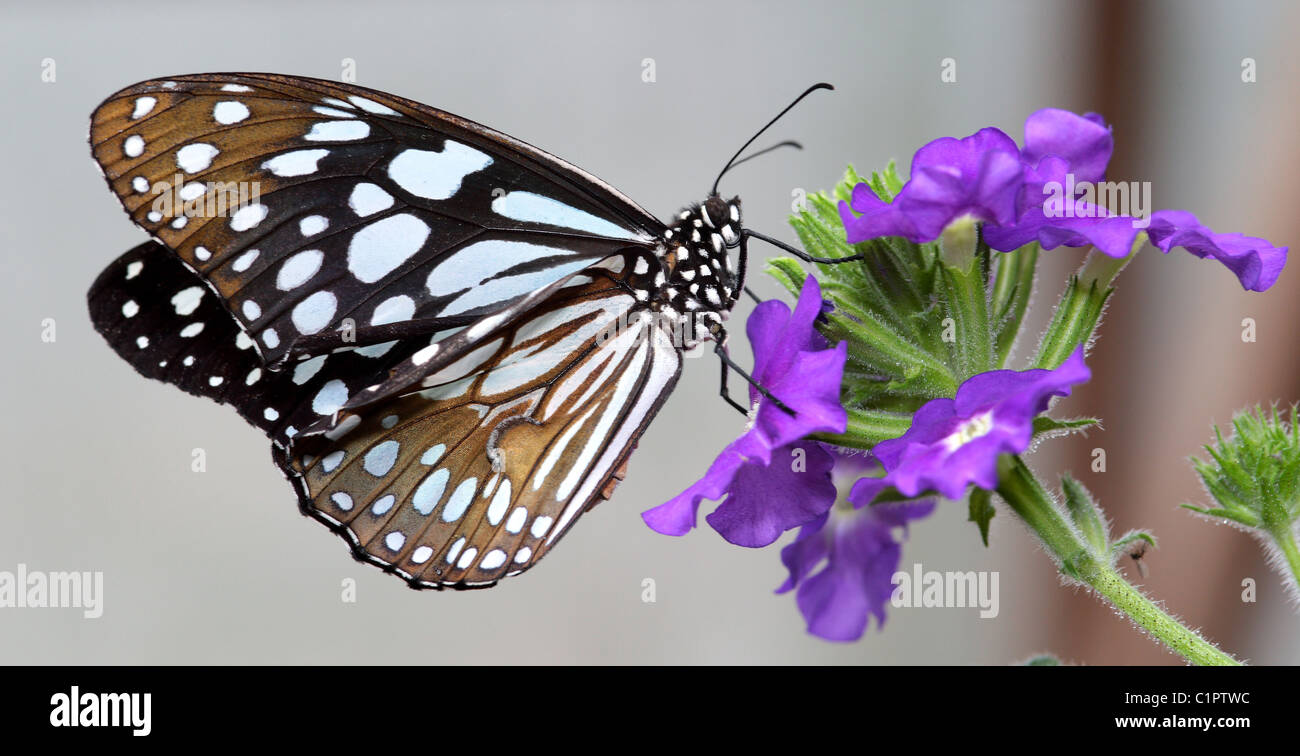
[701,276]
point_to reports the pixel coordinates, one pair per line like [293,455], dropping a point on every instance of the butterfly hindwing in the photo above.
[311,207]
[159,315]
[477,476]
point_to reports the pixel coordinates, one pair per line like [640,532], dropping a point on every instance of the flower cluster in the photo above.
[962,414]
[773,478]
[1021,195]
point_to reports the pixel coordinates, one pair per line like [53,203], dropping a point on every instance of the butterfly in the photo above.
[453,339]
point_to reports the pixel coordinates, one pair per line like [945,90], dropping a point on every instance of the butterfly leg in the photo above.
[729,364]
[725,394]
[745,233]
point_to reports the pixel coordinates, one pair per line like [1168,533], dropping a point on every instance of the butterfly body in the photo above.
[453,339]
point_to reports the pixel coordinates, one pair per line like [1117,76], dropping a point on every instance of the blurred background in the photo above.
[219,567]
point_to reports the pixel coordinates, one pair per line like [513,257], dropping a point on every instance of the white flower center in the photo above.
[977,426]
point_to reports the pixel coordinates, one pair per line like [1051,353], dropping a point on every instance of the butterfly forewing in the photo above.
[477,476]
[315,208]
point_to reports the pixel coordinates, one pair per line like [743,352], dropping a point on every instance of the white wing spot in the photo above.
[312,314]
[307,369]
[296,163]
[130,308]
[143,106]
[312,225]
[133,146]
[430,491]
[393,310]
[229,111]
[191,330]
[368,199]
[383,504]
[341,499]
[299,269]
[433,454]
[500,502]
[248,216]
[380,460]
[337,131]
[394,541]
[460,500]
[436,175]
[330,397]
[370,106]
[196,157]
[421,555]
[186,301]
[379,248]
[517,520]
[492,560]
[331,460]
[245,261]
[540,526]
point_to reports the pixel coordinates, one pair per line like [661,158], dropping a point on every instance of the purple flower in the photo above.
[980,176]
[1255,261]
[955,442]
[1045,183]
[857,553]
[769,479]
[1080,144]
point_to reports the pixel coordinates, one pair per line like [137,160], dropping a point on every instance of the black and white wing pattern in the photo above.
[453,339]
[323,213]
[470,478]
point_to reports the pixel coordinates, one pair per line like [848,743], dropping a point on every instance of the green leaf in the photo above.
[1085,514]
[1049,427]
[1013,286]
[1042,660]
[981,512]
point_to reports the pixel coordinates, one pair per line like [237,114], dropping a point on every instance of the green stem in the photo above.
[1031,502]
[1285,540]
[1079,312]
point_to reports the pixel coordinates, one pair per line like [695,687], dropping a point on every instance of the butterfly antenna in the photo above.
[765,150]
[732,162]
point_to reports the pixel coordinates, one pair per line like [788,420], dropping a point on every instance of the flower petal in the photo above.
[953,443]
[1255,262]
[1085,142]
[764,502]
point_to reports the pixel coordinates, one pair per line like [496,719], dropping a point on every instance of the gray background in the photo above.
[219,567]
